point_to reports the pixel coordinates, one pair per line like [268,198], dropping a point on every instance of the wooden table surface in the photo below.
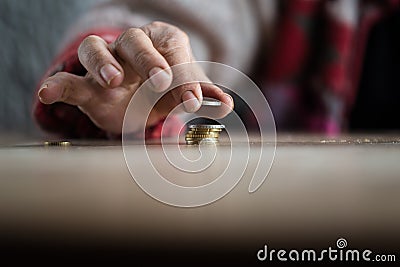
[318,190]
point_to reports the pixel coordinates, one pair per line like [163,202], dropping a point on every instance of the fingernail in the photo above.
[190,102]
[160,79]
[231,99]
[41,91]
[47,96]
[108,72]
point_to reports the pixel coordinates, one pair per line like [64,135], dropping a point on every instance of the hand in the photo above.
[116,71]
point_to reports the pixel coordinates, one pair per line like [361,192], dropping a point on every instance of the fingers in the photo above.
[191,96]
[173,44]
[136,50]
[144,53]
[170,41]
[99,62]
[67,88]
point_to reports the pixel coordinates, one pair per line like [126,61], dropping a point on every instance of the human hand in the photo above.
[115,71]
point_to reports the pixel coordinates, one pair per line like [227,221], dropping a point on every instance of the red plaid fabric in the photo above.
[312,77]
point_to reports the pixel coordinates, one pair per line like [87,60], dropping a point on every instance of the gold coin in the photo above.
[202,139]
[188,142]
[204,134]
[203,131]
[198,135]
[57,143]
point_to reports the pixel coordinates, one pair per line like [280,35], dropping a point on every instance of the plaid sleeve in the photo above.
[312,76]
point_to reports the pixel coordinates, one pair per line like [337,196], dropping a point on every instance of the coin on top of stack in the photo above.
[208,101]
[207,133]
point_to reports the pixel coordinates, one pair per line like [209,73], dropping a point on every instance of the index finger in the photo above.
[99,62]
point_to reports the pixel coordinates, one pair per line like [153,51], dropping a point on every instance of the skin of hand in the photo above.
[115,71]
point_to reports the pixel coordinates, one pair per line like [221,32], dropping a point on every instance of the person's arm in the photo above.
[75,98]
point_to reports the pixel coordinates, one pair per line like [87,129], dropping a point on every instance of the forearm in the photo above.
[113,21]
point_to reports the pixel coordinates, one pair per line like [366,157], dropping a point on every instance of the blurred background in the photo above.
[29,32]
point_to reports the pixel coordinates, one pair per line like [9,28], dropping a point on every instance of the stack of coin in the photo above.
[208,133]
[57,143]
